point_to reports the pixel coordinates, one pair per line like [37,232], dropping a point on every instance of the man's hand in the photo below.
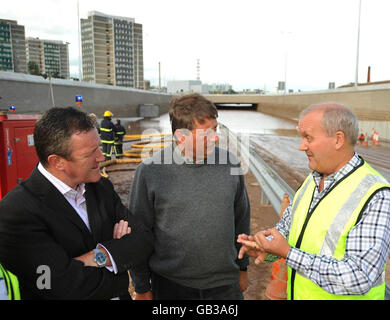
[251,248]
[121,229]
[144,296]
[278,245]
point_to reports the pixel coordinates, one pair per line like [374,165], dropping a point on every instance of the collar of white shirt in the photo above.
[61,186]
[74,197]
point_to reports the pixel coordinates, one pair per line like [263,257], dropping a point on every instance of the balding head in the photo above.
[336,117]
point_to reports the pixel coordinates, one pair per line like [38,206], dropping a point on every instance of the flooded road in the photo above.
[244,122]
[252,122]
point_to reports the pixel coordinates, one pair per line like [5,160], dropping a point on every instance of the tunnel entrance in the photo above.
[236,106]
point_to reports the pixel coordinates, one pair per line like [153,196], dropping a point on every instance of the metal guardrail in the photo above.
[273,186]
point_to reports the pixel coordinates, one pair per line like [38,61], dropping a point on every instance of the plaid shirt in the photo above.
[367,245]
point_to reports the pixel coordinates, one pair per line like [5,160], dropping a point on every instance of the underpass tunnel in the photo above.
[236,106]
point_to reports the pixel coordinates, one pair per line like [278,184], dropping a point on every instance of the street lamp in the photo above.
[45,76]
[357,49]
[79,41]
[285,34]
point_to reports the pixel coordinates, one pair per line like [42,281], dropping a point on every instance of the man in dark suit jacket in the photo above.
[64,231]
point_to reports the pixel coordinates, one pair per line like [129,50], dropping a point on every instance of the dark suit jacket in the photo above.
[38,227]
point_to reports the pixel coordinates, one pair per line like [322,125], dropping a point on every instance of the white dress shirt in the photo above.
[3,290]
[77,201]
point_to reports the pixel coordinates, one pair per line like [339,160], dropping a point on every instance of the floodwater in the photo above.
[252,122]
[242,122]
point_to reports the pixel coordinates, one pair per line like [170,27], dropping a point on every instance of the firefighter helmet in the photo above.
[108,114]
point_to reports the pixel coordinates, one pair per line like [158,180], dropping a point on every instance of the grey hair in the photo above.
[336,117]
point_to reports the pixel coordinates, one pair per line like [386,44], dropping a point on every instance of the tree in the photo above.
[33,68]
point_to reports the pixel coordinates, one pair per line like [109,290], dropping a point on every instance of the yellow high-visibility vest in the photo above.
[11,283]
[325,231]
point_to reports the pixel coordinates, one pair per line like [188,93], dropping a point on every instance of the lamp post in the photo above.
[285,71]
[159,76]
[51,91]
[357,49]
[45,76]
[79,42]
[285,34]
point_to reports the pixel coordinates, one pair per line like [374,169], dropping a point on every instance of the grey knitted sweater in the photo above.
[196,212]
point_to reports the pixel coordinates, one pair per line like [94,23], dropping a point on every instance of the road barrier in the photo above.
[273,186]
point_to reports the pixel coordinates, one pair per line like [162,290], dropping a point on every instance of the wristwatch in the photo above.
[99,257]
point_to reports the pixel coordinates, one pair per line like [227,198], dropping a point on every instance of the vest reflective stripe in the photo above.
[345,213]
[326,230]
[120,133]
[11,282]
[105,130]
[107,154]
[301,191]
[107,141]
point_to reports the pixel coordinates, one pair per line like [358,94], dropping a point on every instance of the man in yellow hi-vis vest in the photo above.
[9,285]
[335,235]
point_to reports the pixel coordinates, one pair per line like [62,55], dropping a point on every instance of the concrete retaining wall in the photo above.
[371,104]
[368,102]
[31,94]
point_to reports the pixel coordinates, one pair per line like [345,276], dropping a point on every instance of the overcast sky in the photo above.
[245,43]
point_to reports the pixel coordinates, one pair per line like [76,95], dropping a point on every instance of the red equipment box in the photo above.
[17,152]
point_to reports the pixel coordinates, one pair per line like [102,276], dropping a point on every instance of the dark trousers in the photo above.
[107,150]
[164,289]
[118,150]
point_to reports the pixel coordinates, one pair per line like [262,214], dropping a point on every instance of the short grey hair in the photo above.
[336,117]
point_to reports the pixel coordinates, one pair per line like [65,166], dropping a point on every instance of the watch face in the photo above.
[100,257]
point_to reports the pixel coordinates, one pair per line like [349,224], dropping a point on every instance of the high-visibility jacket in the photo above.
[119,132]
[11,283]
[106,131]
[323,231]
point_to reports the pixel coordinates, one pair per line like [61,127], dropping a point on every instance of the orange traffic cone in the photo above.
[375,140]
[361,136]
[285,203]
[365,143]
[277,287]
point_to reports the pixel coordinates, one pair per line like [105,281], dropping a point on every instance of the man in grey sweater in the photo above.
[192,195]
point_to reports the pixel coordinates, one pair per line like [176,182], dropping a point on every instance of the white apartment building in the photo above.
[112,50]
[51,56]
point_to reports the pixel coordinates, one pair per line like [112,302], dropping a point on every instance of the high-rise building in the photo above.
[51,56]
[12,46]
[112,50]
[34,52]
